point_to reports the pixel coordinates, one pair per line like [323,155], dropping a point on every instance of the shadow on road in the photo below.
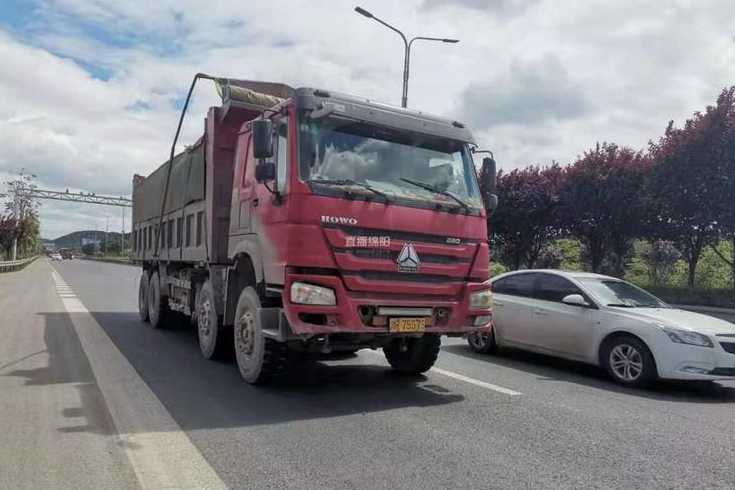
[547,368]
[202,394]
[67,364]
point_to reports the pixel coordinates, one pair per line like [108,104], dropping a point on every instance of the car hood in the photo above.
[687,320]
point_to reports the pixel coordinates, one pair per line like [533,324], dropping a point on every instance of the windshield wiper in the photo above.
[621,305]
[341,182]
[433,189]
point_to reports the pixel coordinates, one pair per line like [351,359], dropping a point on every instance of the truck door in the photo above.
[245,187]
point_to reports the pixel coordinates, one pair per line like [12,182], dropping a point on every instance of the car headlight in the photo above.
[310,294]
[481,299]
[688,337]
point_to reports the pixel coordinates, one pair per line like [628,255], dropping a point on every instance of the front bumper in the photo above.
[344,317]
[688,362]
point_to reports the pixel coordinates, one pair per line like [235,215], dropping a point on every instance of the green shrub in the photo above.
[724,298]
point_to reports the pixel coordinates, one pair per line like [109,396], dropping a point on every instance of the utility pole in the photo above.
[122,235]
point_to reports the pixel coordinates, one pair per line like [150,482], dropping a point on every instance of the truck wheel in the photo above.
[418,357]
[158,311]
[213,338]
[482,342]
[143,297]
[259,359]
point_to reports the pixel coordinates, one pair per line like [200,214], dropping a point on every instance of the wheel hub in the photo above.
[245,333]
[204,315]
[626,362]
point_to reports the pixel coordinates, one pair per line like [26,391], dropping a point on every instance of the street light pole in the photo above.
[407,48]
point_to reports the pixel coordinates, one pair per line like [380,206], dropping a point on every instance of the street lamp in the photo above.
[407,44]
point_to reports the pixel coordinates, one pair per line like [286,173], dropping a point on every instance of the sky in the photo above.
[90,89]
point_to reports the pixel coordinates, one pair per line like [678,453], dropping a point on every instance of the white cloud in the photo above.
[540,80]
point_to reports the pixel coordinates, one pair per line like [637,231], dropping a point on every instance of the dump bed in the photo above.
[196,214]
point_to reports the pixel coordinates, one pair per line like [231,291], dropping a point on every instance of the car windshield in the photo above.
[400,165]
[612,292]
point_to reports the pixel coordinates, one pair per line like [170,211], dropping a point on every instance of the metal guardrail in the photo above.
[14,265]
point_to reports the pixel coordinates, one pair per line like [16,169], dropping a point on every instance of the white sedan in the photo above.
[604,321]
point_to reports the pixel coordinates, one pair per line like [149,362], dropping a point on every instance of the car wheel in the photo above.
[628,361]
[482,342]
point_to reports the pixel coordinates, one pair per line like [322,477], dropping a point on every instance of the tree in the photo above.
[551,257]
[692,182]
[23,210]
[660,258]
[526,218]
[8,233]
[603,205]
[89,248]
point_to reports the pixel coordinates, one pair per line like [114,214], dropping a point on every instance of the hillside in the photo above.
[75,239]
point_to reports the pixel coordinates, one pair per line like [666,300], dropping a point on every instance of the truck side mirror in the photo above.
[262,138]
[265,171]
[489,174]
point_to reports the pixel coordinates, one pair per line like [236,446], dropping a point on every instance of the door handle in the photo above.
[498,303]
[540,312]
[256,201]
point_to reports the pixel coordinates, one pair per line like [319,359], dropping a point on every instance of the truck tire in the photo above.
[260,359]
[143,297]
[419,356]
[158,311]
[213,336]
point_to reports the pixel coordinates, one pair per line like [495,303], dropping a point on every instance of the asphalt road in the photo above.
[93,398]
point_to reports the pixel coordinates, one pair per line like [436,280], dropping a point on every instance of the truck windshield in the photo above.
[400,165]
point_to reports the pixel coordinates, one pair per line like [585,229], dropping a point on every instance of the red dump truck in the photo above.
[307,220]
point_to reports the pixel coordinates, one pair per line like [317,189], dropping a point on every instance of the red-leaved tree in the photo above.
[692,185]
[527,217]
[603,205]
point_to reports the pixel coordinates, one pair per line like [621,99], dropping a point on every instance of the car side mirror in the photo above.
[489,175]
[262,138]
[265,171]
[574,300]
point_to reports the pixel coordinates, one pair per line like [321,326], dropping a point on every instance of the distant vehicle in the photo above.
[608,322]
[291,226]
[55,256]
[66,254]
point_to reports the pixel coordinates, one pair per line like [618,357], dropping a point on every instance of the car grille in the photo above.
[722,372]
[728,346]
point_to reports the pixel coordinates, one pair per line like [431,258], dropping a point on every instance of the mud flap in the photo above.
[275,325]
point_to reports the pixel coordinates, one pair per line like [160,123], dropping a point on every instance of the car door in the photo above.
[559,328]
[513,308]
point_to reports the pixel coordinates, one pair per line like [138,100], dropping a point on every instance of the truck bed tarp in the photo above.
[186,185]
[261,94]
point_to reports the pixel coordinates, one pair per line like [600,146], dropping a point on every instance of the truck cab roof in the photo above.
[266,95]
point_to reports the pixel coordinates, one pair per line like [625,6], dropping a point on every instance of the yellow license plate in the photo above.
[407,325]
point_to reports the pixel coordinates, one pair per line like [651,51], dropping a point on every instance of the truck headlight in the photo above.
[481,299]
[310,294]
[688,337]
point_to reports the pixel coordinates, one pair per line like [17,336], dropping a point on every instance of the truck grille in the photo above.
[371,265]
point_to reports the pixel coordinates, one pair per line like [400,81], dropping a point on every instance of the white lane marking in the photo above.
[161,454]
[476,382]
[466,379]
